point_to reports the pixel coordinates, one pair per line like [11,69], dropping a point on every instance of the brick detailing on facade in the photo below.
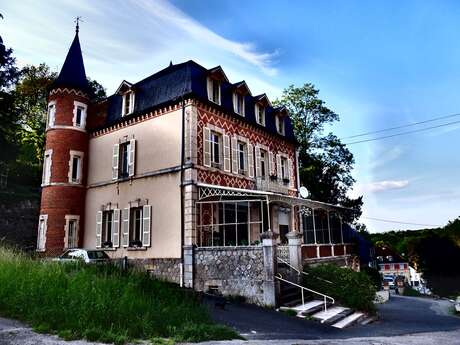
[232,271]
[233,126]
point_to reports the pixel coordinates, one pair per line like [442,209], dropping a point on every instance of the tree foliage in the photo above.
[325,162]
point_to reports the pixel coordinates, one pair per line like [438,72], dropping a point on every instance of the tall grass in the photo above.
[100,303]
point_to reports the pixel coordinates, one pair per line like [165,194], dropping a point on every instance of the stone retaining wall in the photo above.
[164,269]
[232,271]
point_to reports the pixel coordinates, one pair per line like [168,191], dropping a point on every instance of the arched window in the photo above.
[321,225]
[308,225]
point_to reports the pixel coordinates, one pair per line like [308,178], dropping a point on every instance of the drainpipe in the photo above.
[182,163]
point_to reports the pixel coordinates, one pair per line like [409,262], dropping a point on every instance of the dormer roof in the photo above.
[218,73]
[262,99]
[242,87]
[124,87]
[73,70]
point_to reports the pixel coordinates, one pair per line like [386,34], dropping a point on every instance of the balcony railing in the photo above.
[272,184]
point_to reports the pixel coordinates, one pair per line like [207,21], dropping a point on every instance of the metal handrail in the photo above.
[302,288]
[302,272]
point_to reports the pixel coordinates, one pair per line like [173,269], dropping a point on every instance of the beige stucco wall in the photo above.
[162,192]
[158,143]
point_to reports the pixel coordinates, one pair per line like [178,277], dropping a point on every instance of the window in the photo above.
[71,231]
[135,231]
[214,90]
[238,103]
[308,227]
[241,157]
[124,156]
[75,167]
[260,114]
[123,159]
[280,124]
[51,114]
[41,236]
[216,149]
[79,114]
[107,228]
[387,267]
[128,103]
[263,163]
[284,168]
[396,267]
[230,223]
[335,223]
[321,226]
[46,177]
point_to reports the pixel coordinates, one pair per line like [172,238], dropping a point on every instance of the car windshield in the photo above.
[68,254]
[97,255]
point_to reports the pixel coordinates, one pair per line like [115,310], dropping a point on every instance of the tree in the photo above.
[325,162]
[31,99]
[9,75]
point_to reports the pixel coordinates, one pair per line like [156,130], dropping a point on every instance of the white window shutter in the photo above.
[206,147]
[235,101]
[227,162]
[116,228]
[234,155]
[146,225]
[258,168]
[271,163]
[115,163]
[209,82]
[250,160]
[132,157]
[289,173]
[98,229]
[125,227]
[48,169]
[66,234]
[278,167]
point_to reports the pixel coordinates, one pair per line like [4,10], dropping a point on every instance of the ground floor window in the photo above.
[71,227]
[321,226]
[308,227]
[107,228]
[135,231]
[41,236]
[335,224]
[230,223]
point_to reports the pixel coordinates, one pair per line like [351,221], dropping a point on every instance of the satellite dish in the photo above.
[303,192]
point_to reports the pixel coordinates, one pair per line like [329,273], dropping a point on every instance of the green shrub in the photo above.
[100,303]
[409,291]
[349,288]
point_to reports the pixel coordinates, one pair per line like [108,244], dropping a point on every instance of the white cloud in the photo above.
[378,186]
[386,157]
[161,10]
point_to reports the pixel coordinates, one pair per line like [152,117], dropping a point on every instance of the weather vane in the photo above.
[77,21]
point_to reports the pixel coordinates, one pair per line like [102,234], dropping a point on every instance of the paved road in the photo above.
[403,320]
[399,316]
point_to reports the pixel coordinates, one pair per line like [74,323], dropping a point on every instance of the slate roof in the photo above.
[73,71]
[188,79]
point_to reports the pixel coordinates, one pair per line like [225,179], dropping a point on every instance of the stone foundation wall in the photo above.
[231,271]
[164,269]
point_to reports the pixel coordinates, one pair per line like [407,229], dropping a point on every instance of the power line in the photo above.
[397,222]
[403,133]
[402,126]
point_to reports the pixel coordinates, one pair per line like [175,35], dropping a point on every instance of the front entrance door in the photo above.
[283,221]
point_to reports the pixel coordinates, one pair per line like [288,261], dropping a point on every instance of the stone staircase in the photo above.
[313,308]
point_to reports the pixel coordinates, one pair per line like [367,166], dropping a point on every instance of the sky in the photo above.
[378,64]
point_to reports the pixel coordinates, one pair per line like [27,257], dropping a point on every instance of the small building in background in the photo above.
[390,263]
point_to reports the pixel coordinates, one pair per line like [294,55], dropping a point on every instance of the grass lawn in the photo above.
[101,303]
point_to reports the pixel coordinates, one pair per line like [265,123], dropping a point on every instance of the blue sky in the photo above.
[377,64]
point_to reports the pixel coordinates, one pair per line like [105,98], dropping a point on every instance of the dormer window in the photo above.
[214,90]
[280,124]
[260,114]
[238,103]
[128,103]
[240,90]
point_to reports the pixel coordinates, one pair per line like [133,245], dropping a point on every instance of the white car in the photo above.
[83,255]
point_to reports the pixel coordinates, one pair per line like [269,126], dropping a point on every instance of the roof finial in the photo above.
[77,21]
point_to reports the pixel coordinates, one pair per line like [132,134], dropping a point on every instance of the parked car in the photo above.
[83,255]
[390,280]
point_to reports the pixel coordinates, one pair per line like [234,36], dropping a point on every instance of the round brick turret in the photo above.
[66,157]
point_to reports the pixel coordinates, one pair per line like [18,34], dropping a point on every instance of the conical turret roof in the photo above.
[73,71]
